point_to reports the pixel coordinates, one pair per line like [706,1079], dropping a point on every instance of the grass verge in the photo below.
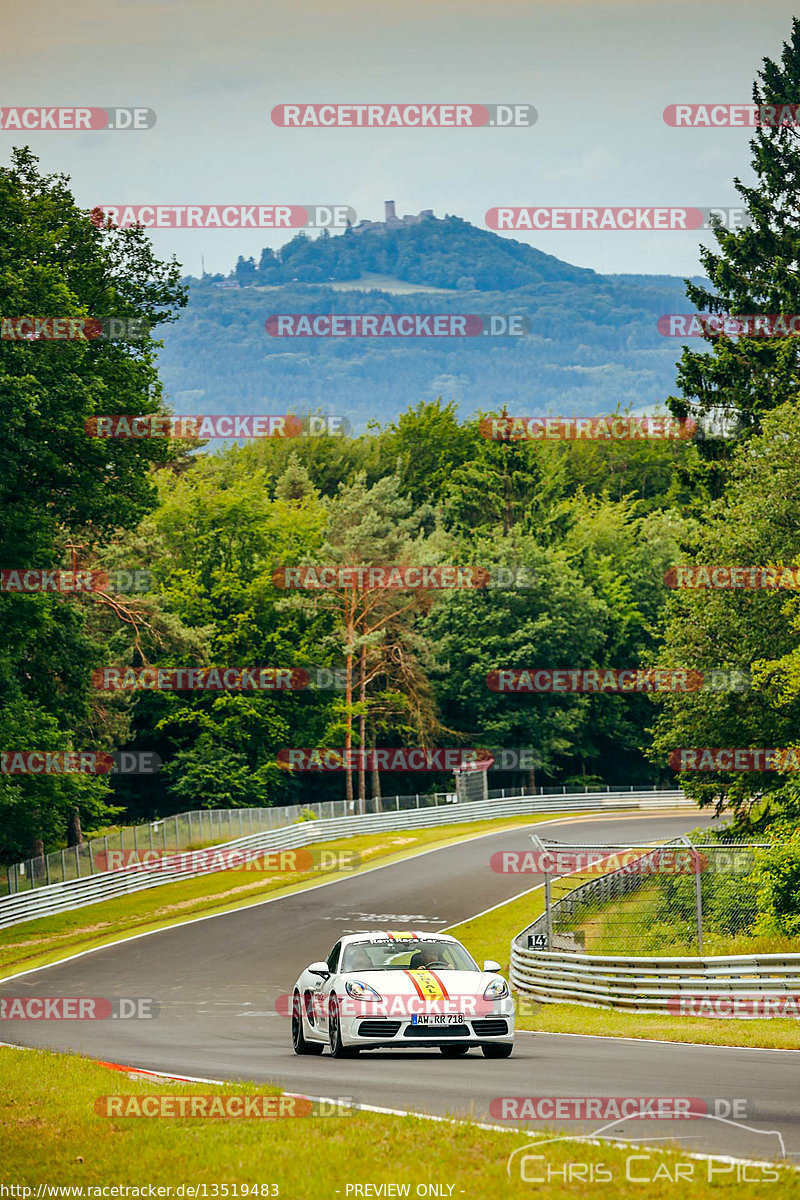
[51,1134]
[48,939]
[489,936]
[638,920]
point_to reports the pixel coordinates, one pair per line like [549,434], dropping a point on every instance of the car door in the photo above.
[323,989]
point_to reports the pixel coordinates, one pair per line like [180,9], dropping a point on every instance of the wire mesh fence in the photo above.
[181,831]
[208,826]
[648,899]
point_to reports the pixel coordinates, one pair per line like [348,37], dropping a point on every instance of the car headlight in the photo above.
[496,990]
[361,991]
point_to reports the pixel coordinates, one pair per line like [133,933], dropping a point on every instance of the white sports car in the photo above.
[402,989]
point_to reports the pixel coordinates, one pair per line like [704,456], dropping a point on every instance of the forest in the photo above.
[576,543]
[594,342]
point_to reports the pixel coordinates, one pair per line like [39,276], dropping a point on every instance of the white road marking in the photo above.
[330,883]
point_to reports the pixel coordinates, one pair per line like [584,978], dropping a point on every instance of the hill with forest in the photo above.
[593,342]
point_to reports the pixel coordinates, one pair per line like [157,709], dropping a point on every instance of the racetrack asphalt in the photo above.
[216,981]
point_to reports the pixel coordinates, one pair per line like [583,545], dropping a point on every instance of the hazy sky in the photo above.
[599,75]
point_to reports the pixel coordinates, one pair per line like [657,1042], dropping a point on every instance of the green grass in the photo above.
[490,936]
[779,1033]
[618,927]
[47,939]
[625,927]
[52,1134]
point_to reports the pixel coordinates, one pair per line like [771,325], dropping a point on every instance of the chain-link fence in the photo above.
[672,898]
[208,826]
[181,831]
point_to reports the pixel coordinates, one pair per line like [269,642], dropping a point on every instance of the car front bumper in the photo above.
[366,1031]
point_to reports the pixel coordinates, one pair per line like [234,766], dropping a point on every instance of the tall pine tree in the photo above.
[753,270]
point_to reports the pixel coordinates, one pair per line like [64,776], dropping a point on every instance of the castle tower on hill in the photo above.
[391,219]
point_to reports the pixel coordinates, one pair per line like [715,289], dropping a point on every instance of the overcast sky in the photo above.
[599,74]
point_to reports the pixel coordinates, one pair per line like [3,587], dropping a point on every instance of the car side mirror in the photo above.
[319,968]
[491,965]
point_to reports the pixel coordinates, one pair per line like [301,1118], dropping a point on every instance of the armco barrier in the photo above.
[75,893]
[638,984]
[212,826]
[179,831]
[647,985]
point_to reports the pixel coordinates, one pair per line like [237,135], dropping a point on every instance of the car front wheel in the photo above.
[499,1050]
[338,1049]
[299,1041]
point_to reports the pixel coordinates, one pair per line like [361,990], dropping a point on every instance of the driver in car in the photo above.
[359,959]
[428,955]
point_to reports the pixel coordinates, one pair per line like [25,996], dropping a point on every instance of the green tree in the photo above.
[213,545]
[755,523]
[370,526]
[554,621]
[752,270]
[59,486]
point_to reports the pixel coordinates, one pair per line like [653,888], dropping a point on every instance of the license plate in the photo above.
[437,1018]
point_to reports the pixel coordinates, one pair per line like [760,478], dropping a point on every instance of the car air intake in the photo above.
[436,1031]
[378,1029]
[490,1027]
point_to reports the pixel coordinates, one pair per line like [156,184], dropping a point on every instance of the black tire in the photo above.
[453,1051]
[498,1050]
[300,1043]
[338,1050]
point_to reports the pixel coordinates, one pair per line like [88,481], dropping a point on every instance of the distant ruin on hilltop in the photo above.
[391,219]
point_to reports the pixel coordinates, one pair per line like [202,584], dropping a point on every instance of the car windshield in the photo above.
[406,954]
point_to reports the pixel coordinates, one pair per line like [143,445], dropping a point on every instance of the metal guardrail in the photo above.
[180,831]
[211,826]
[610,885]
[75,893]
[634,983]
[647,985]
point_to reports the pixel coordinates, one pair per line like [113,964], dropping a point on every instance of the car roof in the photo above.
[372,935]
